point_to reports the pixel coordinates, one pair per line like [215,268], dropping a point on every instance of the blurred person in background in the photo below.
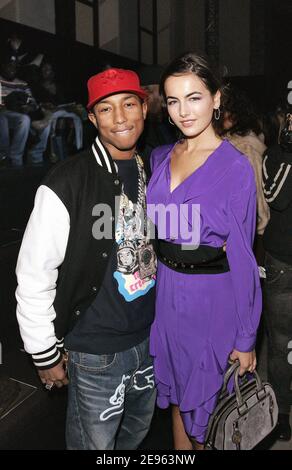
[242,128]
[18,112]
[158,130]
[277,179]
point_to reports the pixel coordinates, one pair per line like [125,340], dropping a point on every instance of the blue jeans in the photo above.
[62,113]
[278,320]
[111,399]
[35,154]
[20,124]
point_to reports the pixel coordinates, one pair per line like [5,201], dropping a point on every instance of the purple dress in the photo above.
[201,318]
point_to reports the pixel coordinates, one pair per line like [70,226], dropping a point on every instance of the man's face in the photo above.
[120,121]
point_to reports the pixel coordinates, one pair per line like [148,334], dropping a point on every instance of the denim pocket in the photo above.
[95,362]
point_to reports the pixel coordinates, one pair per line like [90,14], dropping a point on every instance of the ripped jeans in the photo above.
[111,399]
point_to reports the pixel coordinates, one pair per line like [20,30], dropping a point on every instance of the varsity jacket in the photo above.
[62,261]
[277,185]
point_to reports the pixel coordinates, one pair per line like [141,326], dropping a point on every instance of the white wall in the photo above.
[38,14]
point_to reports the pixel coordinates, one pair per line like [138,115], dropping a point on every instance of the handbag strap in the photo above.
[234,369]
[241,404]
[230,371]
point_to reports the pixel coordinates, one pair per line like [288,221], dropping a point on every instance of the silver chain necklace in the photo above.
[132,217]
[134,250]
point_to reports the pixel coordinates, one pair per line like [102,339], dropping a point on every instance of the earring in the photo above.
[170,121]
[217,114]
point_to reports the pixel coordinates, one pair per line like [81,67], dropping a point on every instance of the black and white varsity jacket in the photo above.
[277,186]
[61,264]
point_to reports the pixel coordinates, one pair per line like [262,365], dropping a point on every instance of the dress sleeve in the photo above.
[243,266]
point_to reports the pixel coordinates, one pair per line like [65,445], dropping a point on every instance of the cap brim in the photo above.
[141,93]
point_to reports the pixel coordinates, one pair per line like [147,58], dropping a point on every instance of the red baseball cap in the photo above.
[113,81]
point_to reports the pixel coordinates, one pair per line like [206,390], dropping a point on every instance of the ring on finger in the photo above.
[49,386]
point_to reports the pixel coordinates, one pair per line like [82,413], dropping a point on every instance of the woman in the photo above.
[208,306]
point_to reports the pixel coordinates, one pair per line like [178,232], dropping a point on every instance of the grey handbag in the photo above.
[244,418]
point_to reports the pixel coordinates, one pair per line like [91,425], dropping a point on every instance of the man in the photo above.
[277,179]
[74,283]
[17,103]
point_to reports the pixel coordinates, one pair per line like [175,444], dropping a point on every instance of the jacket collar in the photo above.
[103,157]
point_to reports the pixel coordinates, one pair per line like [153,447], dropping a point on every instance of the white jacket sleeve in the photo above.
[41,253]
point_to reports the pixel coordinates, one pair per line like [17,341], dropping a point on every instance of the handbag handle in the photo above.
[234,369]
[260,389]
[230,371]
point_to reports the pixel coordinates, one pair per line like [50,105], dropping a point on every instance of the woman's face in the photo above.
[190,104]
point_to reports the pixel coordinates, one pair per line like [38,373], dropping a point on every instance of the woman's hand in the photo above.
[247,360]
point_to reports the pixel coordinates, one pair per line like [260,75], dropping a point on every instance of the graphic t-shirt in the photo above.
[123,310]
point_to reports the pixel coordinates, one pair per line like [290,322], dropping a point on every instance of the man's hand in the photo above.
[56,375]
[247,360]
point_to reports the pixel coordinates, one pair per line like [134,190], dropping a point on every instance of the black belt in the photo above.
[202,260]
